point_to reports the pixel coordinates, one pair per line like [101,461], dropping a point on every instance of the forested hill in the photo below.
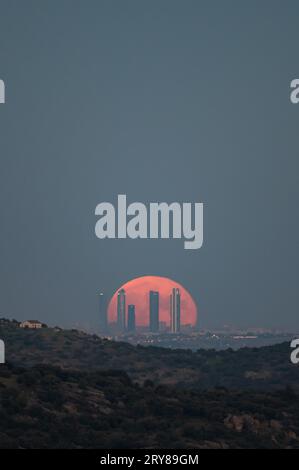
[45,407]
[267,368]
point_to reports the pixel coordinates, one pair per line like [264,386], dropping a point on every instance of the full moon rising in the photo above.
[137,293]
[159,220]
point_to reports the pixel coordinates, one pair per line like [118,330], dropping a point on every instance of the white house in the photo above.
[31,324]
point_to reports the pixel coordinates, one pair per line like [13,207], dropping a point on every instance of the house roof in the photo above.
[32,321]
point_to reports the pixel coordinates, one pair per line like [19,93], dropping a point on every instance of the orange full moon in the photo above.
[137,293]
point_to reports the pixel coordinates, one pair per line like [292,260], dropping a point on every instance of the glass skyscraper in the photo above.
[121,310]
[175,311]
[131,319]
[154,311]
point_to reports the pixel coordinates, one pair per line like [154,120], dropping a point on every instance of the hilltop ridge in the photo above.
[261,368]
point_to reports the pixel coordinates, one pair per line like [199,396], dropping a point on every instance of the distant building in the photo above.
[131,319]
[154,311]
[121,310]
[175,311]
[31,325]
[103,321]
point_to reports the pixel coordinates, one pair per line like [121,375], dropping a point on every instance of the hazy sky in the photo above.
[162,100]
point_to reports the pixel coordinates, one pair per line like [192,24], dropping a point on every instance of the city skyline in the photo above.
[150,295]
[126,315]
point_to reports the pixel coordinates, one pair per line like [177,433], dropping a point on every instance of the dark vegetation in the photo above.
[66,389]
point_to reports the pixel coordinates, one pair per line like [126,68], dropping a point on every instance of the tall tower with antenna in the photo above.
[175,311]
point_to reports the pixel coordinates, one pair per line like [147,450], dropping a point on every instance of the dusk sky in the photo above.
[184,101]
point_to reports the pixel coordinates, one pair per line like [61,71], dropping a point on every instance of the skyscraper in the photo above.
[121,310]
[103,323]
[154,311]
[131,319]
[175,311]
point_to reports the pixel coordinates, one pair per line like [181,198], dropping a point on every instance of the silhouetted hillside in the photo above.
[47,407]
[67,389]
[263,368]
